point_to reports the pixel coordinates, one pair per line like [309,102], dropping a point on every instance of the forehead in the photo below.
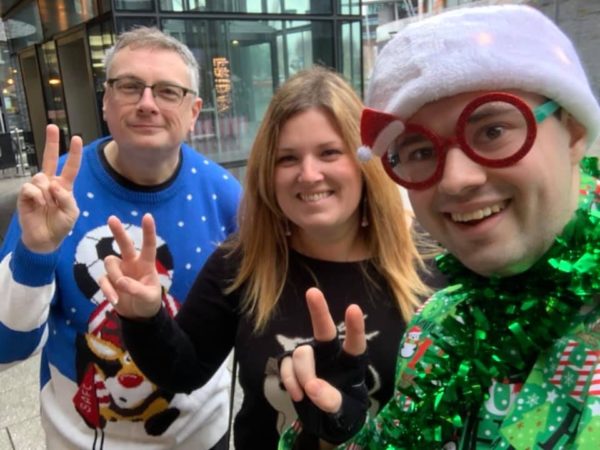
[150,64]
[449,108]
[310,125]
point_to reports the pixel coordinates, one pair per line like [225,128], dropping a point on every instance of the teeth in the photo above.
[314,197]
[477,215]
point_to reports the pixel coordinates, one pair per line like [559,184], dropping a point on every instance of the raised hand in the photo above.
[131,283]
[326,380]
[46,207]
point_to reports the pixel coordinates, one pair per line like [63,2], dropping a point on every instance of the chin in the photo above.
[492,267]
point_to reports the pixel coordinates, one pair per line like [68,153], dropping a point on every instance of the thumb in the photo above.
[323,395]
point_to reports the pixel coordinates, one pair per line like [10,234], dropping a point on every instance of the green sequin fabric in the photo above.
[503,363]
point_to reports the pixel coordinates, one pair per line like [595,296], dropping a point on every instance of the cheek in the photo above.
[279,185]
[420,203]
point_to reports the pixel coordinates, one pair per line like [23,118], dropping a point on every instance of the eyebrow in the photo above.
[414,138]
[136,78]
[490,110]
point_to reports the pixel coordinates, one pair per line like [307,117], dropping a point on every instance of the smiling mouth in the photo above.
[314,197]
[478,214]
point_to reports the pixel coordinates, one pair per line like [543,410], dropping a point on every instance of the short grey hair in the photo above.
[152,37]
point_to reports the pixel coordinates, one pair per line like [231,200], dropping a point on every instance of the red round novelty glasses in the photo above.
[495,130]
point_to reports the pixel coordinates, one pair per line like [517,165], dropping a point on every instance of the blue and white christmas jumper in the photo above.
[92,395]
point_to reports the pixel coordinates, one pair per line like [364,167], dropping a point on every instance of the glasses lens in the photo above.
[168,95]
[413,157]
[128,89]
[496,130]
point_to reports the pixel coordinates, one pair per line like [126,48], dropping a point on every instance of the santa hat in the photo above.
[377,131]
[475,49]
[415,330]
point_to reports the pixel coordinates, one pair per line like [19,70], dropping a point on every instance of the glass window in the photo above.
[250,6]
[101,38]
[53,90]
[23,28]
[134,5]
[15,108]
[351,66]
[60,15]
[302,44]
[350,7]
[126,23]
[241,64]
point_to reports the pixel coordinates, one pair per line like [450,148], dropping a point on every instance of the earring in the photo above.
[364,221]
[286,228]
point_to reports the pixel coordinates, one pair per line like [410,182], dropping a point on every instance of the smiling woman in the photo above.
[311,215]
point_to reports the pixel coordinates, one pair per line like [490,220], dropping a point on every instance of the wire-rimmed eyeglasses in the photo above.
[129,90]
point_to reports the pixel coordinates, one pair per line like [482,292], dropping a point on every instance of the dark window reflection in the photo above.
[242,63]
[250,6]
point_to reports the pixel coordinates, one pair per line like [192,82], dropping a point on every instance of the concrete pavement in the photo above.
[20,427]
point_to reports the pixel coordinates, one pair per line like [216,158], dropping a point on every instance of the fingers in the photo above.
[289,380]
[63,198]
[108,290]
[304,364]
[301,378]
[148,253]
[50,157]
[32,194]
[71,167]
[324,395]
[112,265]
[323,325]
[355,343]
[122,239]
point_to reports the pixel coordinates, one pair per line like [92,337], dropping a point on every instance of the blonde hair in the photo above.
[261,239]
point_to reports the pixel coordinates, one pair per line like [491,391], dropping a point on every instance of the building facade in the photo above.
[51,56]
[53,50]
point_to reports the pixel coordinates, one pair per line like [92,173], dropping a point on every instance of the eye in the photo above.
[420,154]
[406,153]
[129,86]
[169,92]
[285,160]
[331,153]
[493,132]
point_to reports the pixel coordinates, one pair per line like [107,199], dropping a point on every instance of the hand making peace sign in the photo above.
[331,376]
[46,207]
[131,283]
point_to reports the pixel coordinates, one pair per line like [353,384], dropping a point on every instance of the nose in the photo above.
[147,102]
[310,170]
[460,173]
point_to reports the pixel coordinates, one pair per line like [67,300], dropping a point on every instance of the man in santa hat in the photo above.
[485,115]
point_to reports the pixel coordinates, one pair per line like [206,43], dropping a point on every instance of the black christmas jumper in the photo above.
[182,354]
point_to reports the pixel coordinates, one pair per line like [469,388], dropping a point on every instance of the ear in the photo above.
[196,108]
[577,140]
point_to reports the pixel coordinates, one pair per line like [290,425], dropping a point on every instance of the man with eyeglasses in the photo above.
[484,115]
[92,394]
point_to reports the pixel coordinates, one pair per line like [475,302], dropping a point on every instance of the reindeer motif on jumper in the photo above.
[279,399]
[111,388]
